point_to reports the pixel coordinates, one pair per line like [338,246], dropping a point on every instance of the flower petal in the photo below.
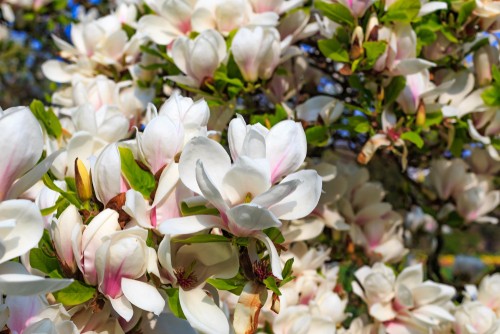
[135,291]
[189,224]
[215,160]
[202,313]
[303,200]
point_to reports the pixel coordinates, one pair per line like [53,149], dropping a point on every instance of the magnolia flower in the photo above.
[485,127]
[256,52]
[461,98]
[243,192]
[86,239]
[405,301]
[175,18]
[189,266]
[476,318]
[198,58]
[121,260]
[325,107]
[489,292]
[475,199]
[228,15]
[482,163]
[400,56]
[445,176]
[106,175]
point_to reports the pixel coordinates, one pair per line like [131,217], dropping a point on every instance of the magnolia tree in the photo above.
[252,166]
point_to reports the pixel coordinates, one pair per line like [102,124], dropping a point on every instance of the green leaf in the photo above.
[465,11]
[174,303]
[71,197]
[139,179]
[491,96]
[75,294]
[47,118]
[270,283]
[373,51]
[287,268]
[426,36]
[331,48]
[336,12]
[317,135]
[269,120]
[197,210]
[222,76]
[393,90]
[202,238]
[41,261]
[363,127]
[402,11]
[221,284]
[414,138]
[495,73]
[433,119]
[275,235]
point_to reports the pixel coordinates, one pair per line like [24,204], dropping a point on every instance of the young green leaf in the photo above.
[402,11]
[331,48]
[139,179]
[414,138]
[75,294]
[336,12]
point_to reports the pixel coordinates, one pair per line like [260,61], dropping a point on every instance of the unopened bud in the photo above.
[357,43]
[420,114]
[82,180]
[484,58]
[372,28]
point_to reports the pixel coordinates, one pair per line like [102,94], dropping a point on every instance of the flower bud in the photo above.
[484,58]
[82,180]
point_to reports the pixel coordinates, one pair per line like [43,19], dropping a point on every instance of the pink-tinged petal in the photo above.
[190,224]
[32,177]
[246,218]
[62,231]
[286,148]
[101,226]
[303,200]
[202,313]
[15,280]
[208,189]
[16,240]
[22,309]
[106,174]
[167,183]
[214,157]
[165,256]
[161,141]
[18,126]
[123,307]
[273,254]
[135,291]
[247,177]
[382,311]
[137,208]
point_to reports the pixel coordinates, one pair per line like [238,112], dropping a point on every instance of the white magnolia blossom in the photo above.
[406,302]
[243,191]
[198,58]
[257,52]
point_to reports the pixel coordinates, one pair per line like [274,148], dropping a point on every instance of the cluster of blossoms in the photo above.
[253,166]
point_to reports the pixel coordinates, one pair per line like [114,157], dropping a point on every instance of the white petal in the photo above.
[26,233]
[276,193]
[137,208]
[432,7]
[158,29]
[303,200]
[56,71]
[246,176]
[215,161]
[15,280]
[123,307]
[411,66]
[273,255]
[208,189]
[236,134]
[250,217]
[202,313]
[169,179]
[143,295]
[190,224]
